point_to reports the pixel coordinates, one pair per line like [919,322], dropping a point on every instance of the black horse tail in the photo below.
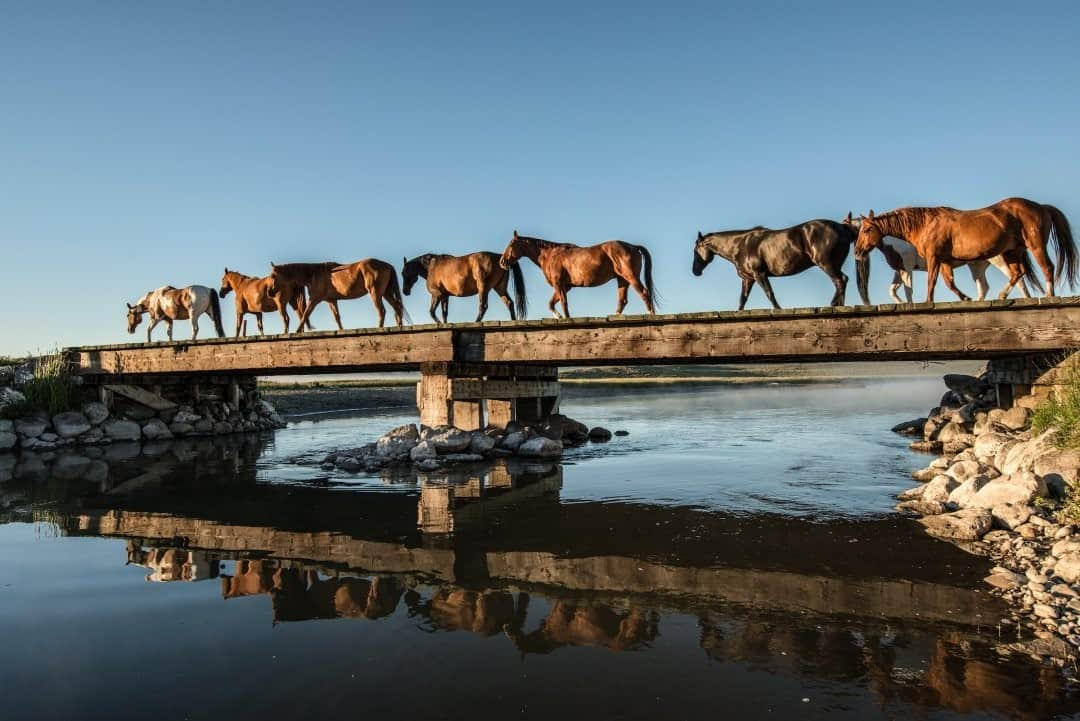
[393,292]
[1029,278]
[517,279]
[650,289]
[1066,246]
[862,277]
[215,313]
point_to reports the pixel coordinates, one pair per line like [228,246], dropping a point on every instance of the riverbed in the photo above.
[735,555]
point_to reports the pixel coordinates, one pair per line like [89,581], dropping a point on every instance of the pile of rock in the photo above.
[994,492]
[93,424]
[430,448]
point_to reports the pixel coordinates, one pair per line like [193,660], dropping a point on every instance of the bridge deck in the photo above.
[921,331]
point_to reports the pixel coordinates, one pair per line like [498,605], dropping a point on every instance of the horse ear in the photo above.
[130,306]
[404,261]
[870,215]
[848,218]
[700,236]
[515,233]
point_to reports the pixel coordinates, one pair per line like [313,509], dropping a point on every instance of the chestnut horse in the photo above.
[253,296]
[1010,228]
[168,304]
[330,283]
[567,266]
[466,275]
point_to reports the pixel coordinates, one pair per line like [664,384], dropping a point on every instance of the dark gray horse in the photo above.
[761,253]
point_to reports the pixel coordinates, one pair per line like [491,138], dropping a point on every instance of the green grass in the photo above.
[1061,411]
[50,389]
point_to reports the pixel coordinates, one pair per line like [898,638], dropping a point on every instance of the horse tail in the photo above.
[1030,279]
[862,277]
[650,289]
[517,279]
[215,313]
[1066,246]
[393,292]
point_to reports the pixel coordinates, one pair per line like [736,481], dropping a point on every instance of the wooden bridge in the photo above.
[513,364]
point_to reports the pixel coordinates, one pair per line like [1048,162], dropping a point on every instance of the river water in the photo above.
[735,556]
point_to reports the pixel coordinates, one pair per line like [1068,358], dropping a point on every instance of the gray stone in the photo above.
[30,427]
[1067,567]
[1023,488]
[95,412]
[558,427]
[958,444]
[951,431]
[599,434]
[185,415]
[1022,456]
[968,524]
[451,440]
[1005,580]
[939,488]
[912,494]
[1043,611]
[1016,418]
[181,429]
[1010,515]
[121,430]
[908,428]
[11,397]
[92,436]
[397,443]
[423,450]
[7,440]
[962,495]
[963,470]
[428,464]
[622,433]
[155,429]
[350,464]
[927,446]
[968,388]
[481,443]
[919,507]
[462,457]
[139,413]
[49,437]
[222,427]
[204,425]
[1059,468]
[512,441]
[988,444]
[540,447]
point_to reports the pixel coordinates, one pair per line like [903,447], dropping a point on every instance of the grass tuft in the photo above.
[1061,410]
[50,389]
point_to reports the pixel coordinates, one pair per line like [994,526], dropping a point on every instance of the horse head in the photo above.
[870,235]
[134,316]
[226,283]
[703,254]
[516,249]
[272,289]
[411,270]
[854,222]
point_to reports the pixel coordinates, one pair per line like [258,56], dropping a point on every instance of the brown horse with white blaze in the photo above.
[466,275]
[567,266]
[947,236]
[330,283]
[253,296]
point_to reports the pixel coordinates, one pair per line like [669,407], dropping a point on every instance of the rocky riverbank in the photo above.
[998,490]
[428,449]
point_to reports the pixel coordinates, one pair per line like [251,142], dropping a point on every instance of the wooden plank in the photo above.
[141,396]
[466,389]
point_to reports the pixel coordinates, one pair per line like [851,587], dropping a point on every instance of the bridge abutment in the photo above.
[471,396]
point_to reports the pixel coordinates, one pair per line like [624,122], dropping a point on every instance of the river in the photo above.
[734,556]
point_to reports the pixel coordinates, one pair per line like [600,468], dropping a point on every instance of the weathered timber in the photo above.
[141,396]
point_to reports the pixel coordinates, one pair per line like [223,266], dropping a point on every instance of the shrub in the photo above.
[1062,409]
[50,389]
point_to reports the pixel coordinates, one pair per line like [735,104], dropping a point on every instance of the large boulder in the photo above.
[397,443]
[70,424]
[512,441]
[540,447]
[423,451]
[1068,567]
[11,397]
[155,429]
[599,435]
[1023,487]
[968,524]
[8,439]
[558,427]
[1010,515]
[910,428]
[481,443]
[969,388]
[963,495]
[1016,418]
[1060,469]
[30,427]
[952,431]
[1022,456]
[988,444]
[121,430]
[938,489]
[184,414]
[95,412]
[963,470]
[448,439]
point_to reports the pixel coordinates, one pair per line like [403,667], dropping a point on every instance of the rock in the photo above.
[558,427]
[95,412]
[1005,580]
[1010,515]
[512,441]
[1043,611]
[968,524]
[49,437]
[8,439]
[1067,567]
[912,494]
[622,433]
[92,436]
[1022,456]
[958,444]
[121,430]
[11,397]
[222,427]
[168,415]
[540,447]
[7,375]
[919,507]
[599,435]
[185,415]
[1064,589]
[481,443]
[951,431]
[462,457]
[927,446]
[966,387]
[428,464]
[155,429]
[938,489]
[68,467]
[450,439]
[423,451]
[909,428]
[139,413]
[1067,545]
[1016,418]
[349,464]
[204,425]
[962,495]
[181,429]
[1023,488]
[398,443]
[1060,469]
[963,470]
[988,444]
[30,427]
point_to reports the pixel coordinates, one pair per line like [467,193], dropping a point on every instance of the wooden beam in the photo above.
[467,389]
[141,396]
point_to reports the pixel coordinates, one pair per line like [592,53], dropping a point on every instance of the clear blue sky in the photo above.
[153,143]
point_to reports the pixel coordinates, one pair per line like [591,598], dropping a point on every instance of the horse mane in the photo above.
[303,272]
[902,221]
[732,233]
[543,244]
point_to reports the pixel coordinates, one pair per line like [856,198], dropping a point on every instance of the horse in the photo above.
[760,253]
[902,257]
[253,296]
[1009,228]
[462,276]
[168,304]
[567,266]
[331,282]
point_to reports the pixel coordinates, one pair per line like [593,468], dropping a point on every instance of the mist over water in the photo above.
[735,555]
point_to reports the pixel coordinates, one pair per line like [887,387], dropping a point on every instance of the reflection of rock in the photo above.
[484,613]
[587,625]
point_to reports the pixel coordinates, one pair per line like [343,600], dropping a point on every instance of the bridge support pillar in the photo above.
[473,396]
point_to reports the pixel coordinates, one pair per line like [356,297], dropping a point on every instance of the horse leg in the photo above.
[380,310]
[1047,266]
[763,281]
[434,305]
[895,286]
[563,291]
[150,327]
[445,308]
[932,270]
[240,319]
[258,322]
[640,290]
[978,274]
[283,309]
[620,303]
[194,325]
[168,326]
[839,279]
[947,276]
[483,296]
[1016,272]
[337,314]
[508,301]
[552,302]
[747,284]
[909,285]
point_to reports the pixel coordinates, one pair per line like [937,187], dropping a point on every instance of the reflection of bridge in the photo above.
[498,370]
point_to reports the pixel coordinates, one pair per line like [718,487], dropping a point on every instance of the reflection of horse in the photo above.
[587,625]
[172,564]
[1009,228]
[567,266]
[466,275]
[761,253]
[905,260]
[253,296]
[485,613]
[169,304]
[331,283]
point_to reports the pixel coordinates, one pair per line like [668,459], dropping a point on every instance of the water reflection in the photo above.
[493,552]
